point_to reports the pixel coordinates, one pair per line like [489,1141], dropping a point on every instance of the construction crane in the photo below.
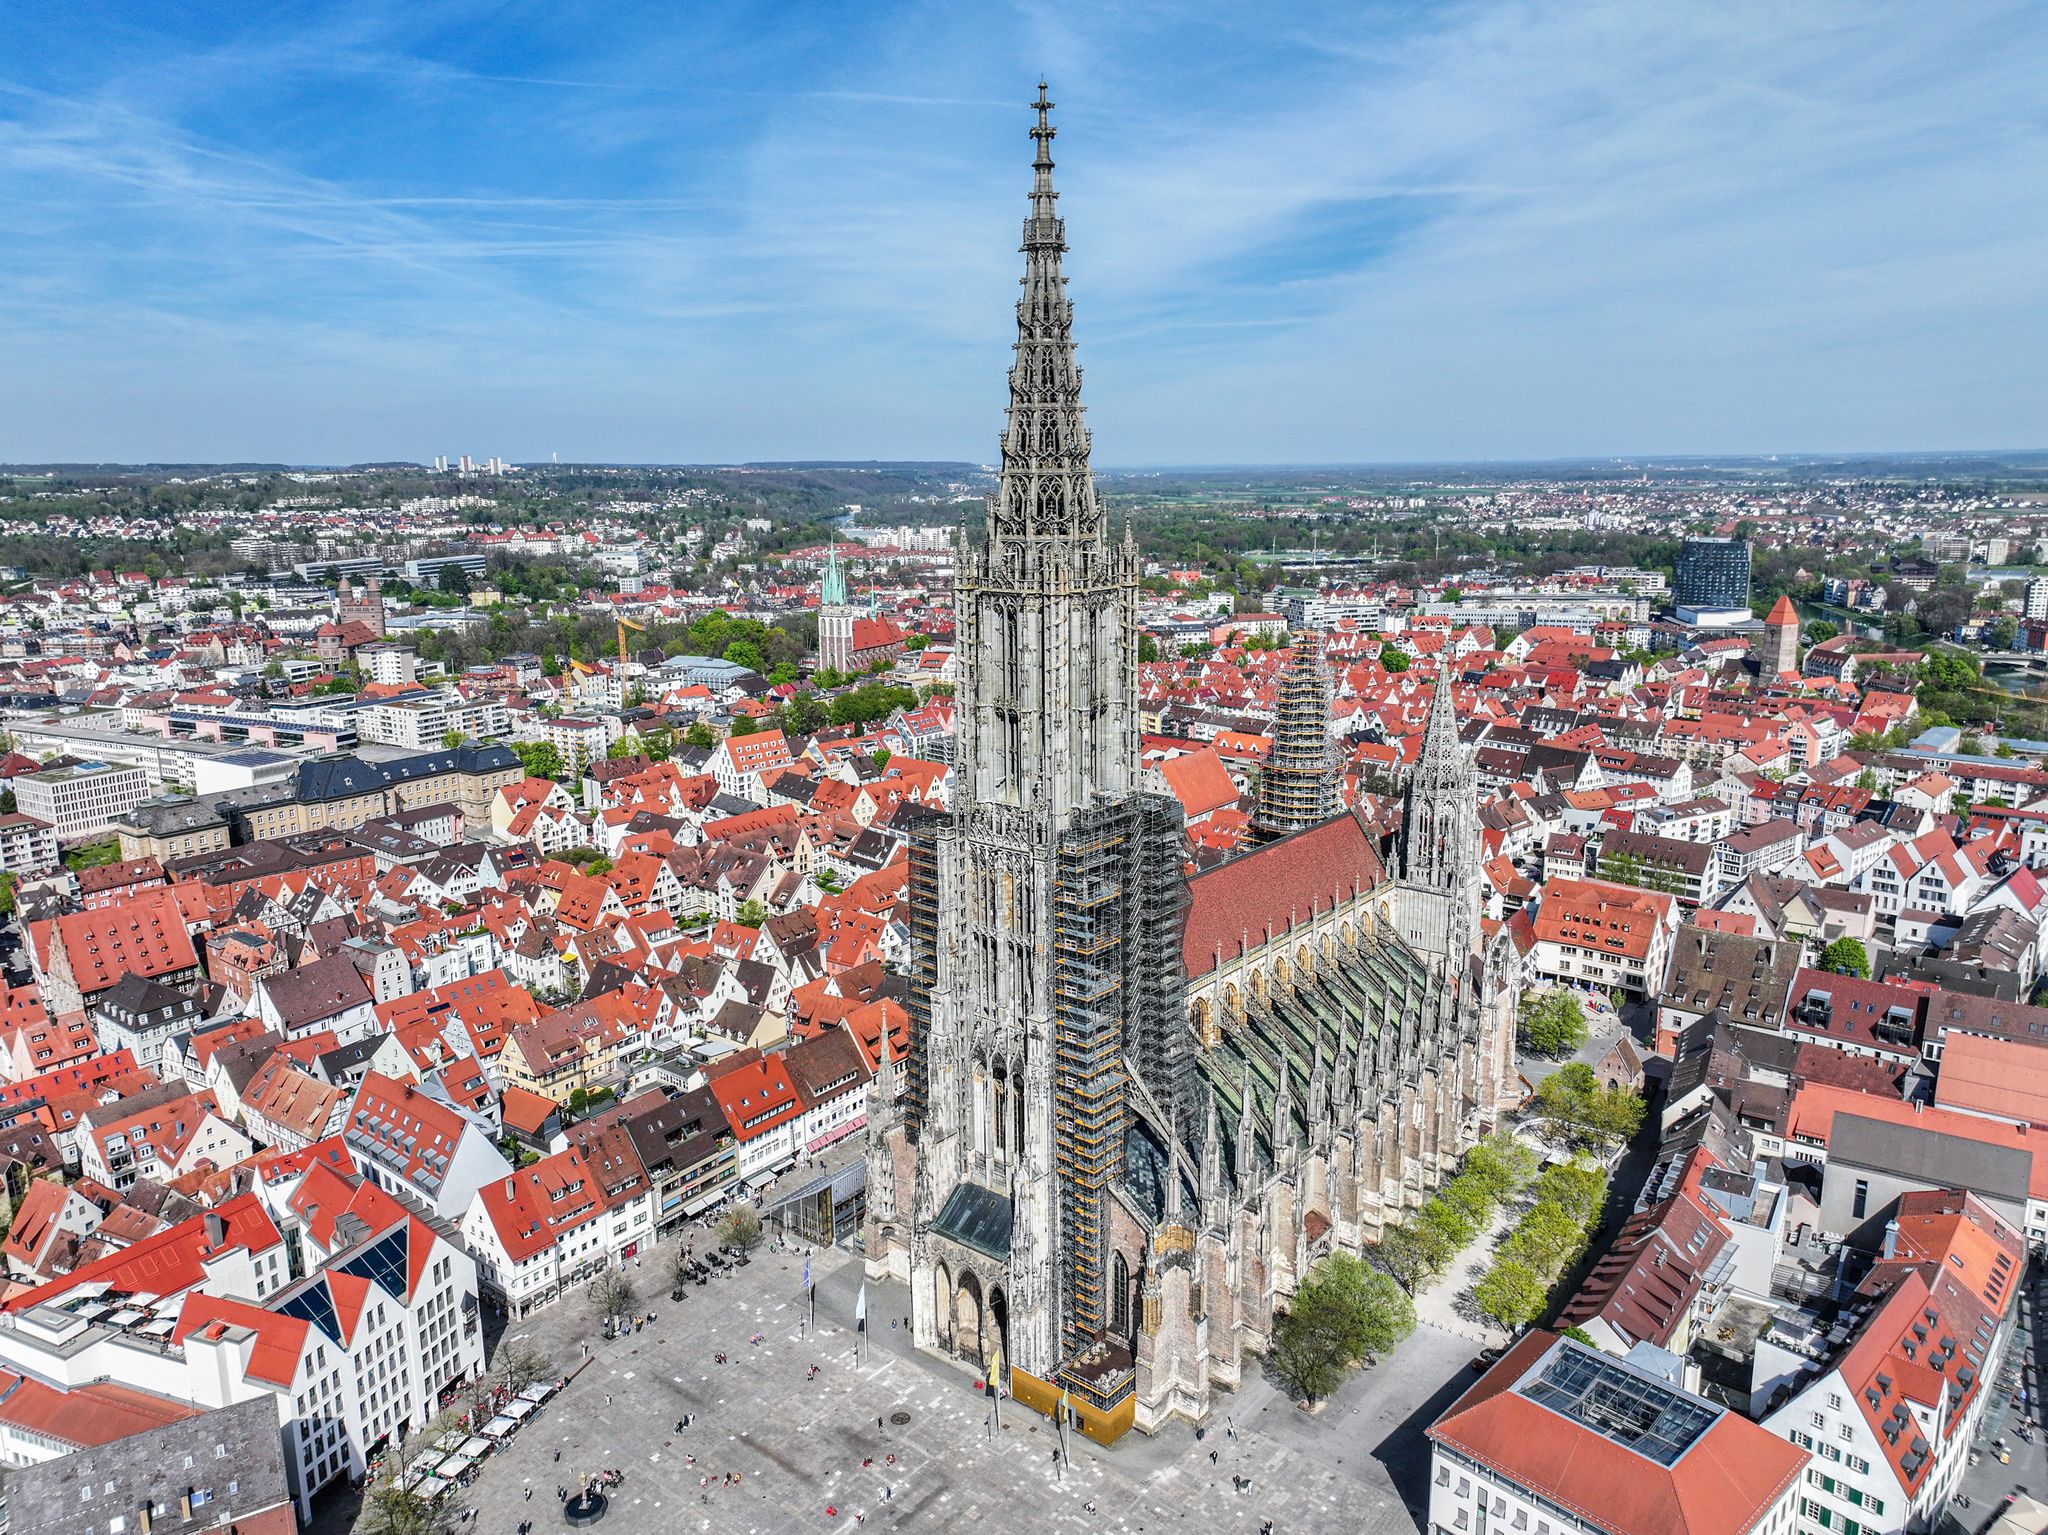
[624,625]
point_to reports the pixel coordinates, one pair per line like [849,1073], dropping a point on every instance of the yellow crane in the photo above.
[624,625]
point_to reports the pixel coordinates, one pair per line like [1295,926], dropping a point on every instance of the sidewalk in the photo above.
[1437,1305]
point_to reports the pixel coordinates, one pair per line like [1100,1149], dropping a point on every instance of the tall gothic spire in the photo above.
[832,589]
[1442,763]
[1294,784]
[1045,490]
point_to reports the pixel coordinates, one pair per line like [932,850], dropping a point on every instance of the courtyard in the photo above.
[883,1435]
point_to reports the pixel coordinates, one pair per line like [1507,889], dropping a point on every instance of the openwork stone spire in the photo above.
[1439,823]
[1294,785]
[1044,490]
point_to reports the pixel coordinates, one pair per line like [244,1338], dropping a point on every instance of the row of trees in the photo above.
[1585,1113]
[1421,1247]
[1515,1289]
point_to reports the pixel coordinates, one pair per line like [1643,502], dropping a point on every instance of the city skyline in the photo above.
[1484,233]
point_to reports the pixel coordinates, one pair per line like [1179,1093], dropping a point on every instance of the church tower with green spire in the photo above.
[835,615]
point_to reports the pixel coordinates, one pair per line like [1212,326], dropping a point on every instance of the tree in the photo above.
[751,913]
[612,1300]
[745,653]
[1546,1239]
[1511,1293]
[1447,1222]
[1573,1098]
[742,725]
[1393,658]
[1820,631]
[699,735]
[540,759]
[390,1510]
[450,739]
[1846,956]
[1469,1199]
[1366,1309]
[1950,672]
[1148,648]
[520,1365]
[1576,1187]
[1305,1358]
[8,880]
[1555,1024]
[740,1228]
[1501,1165]
[1414,1252]
[452,578]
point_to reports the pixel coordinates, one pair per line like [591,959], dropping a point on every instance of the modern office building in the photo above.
[1712,582]
[81,801]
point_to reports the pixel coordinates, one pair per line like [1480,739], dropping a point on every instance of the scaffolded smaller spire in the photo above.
[1294,785]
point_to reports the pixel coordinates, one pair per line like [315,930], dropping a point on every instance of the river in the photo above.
[2014,679]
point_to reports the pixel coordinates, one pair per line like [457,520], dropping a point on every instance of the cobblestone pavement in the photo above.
[802,1447]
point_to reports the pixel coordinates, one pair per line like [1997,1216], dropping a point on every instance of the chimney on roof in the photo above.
[216,1229]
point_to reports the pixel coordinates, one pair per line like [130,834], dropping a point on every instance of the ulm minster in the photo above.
[1139,1106]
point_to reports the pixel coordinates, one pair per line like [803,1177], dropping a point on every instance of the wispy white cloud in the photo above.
[1488,228]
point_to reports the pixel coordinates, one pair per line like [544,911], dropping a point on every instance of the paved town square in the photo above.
[809,1453]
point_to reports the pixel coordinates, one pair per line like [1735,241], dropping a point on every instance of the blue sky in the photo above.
[707,232]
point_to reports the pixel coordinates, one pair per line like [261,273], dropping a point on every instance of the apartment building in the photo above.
[28,847]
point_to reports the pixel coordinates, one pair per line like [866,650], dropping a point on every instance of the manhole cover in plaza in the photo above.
[899,1418]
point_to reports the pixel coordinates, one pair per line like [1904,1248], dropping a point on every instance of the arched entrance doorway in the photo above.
[967,1319]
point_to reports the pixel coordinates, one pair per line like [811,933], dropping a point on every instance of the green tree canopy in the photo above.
[1846,956]
[1342,1312]
[1554,1024]
[1414,1252]
[1573,1098]
[540,759]
[1511,1293]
